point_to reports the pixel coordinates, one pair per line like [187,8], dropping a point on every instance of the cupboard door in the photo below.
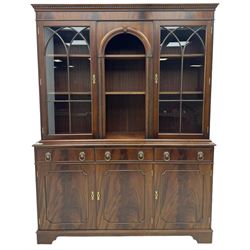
[124,196]
[65,198]
[182,196]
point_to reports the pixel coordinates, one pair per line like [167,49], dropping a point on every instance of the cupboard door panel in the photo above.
[184,196]
[125,196]
[64,196]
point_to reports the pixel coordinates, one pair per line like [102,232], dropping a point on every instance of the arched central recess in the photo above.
[125,87]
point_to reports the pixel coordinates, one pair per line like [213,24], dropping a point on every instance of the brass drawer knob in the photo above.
[107,156]
[82,156]
[140,156]
[200,156]
[166,156]
[47,156]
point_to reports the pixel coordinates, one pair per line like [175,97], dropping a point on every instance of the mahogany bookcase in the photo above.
[125,111]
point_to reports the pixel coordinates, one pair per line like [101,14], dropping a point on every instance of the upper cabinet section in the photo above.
[125,71]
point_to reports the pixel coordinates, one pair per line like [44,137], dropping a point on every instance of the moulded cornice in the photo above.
[113,7]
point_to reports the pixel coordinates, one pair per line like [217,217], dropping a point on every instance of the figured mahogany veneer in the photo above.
[125,114]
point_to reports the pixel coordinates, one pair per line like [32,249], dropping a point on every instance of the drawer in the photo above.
[124,154]
[74,154]
[184,154]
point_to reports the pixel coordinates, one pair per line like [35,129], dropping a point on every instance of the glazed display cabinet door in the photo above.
[182,196]
[181,91]
[124,196]
[68,69]
[65,196]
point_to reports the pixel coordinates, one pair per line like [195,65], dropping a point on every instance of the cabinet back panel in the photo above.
[125,113]
[125,75]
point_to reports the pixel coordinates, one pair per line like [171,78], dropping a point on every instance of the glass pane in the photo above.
[192,117]
[81,117]
[170,42]
[195,37]
[168,97]
[58,117]
[193,74]
[189,96]
[56,74]
[178,40]
[80,42]
[67,56]
[170,75]
[80,97]
[54,41]
[169,117]
[79,72]
[53,96]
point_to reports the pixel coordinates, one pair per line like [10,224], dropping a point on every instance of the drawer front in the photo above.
[74,154]
[124,154]
[184,154]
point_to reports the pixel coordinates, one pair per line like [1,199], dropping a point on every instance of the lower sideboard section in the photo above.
[83,192]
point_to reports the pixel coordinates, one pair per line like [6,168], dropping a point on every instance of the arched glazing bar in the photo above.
[171,32]
[195,33]
[55,33]
[182,46]
[79,33]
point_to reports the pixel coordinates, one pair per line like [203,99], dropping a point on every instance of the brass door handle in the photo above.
[156,78]
[166,156]
[93,79]
[200,156]
[156,195]
[140,156]
[82,156]
[107,156]
[47,156]
[98,196]
[92,195]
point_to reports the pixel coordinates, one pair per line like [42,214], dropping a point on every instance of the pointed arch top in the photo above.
[122,30]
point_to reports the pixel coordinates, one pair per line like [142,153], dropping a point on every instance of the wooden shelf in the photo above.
[182,100]
[70,100]
[178,92]
[70,56]
[128,135]
[179,56]
[125,56]
[125,93]
[69,93]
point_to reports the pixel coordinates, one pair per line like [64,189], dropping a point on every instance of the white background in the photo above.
[20,128]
